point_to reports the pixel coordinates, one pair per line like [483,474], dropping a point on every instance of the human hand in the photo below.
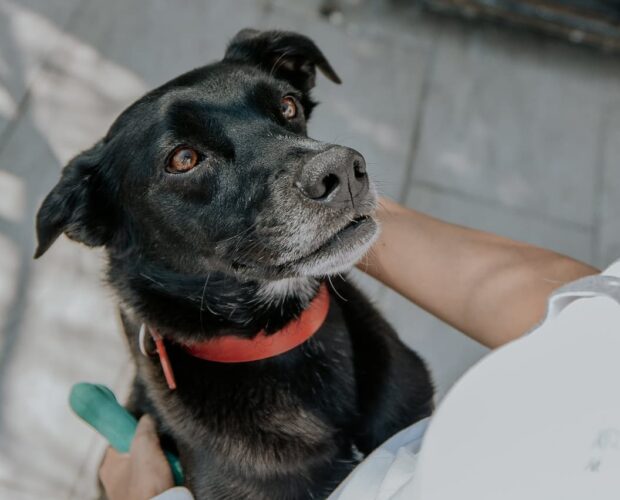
[140,474]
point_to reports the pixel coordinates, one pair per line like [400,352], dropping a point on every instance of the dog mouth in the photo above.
[340,251]
[337,253]
[348,234]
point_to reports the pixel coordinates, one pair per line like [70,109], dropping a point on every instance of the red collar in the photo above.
[232,349]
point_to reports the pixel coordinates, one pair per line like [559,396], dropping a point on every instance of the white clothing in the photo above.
[538,418]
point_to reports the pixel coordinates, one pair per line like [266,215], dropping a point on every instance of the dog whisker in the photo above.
[279,60]
[334,289]
[202,301]
[152,280]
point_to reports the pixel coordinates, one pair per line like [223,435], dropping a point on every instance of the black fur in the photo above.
[232,247]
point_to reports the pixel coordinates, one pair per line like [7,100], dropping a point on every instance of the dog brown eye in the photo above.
[183,160]
[288,107]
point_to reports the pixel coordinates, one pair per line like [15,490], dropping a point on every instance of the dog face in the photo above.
[214,171]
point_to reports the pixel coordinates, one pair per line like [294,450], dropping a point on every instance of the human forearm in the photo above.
[491,288]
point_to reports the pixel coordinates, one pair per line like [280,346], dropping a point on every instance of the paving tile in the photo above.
[62,338]
[514,119]
[6,491]
[29,32]
[374,109]
[608,230]
[59,322]
[157,39]
[400,23]
[567,238]
[59,327]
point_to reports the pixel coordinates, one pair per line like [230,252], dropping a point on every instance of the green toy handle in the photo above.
[98,407]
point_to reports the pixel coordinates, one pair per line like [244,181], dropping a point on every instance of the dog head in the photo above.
[214,171]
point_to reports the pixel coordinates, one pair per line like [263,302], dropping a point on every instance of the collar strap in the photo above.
[233,349]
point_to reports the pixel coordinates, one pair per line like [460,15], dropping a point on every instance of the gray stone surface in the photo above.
[29,33]
[494,129]
[570,238]
[607,228]
[517,120]
[157,40]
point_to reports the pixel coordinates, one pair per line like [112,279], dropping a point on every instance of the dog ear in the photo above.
[287,55]
[78,205]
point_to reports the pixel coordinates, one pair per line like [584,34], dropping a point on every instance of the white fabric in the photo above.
[537,419]
[613,270]
[176,493]
[384,471]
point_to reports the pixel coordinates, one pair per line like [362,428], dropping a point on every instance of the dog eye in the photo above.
[183,160]
[288,107]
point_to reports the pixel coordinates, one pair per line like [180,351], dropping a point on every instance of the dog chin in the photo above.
[300,280]
[339,259]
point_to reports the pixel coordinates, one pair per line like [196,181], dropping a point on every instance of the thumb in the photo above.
[145,439]
[150,470]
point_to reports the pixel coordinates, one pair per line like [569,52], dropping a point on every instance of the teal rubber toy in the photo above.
[98,407]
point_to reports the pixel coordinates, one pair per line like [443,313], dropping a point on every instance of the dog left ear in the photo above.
[284,54]
[79,205]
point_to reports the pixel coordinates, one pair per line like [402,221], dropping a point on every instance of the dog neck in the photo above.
[195,308]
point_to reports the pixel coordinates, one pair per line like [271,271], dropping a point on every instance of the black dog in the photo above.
[223,220]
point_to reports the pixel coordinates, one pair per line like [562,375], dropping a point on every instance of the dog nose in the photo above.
[336,177]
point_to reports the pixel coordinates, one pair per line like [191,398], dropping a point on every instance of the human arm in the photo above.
[491,288]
